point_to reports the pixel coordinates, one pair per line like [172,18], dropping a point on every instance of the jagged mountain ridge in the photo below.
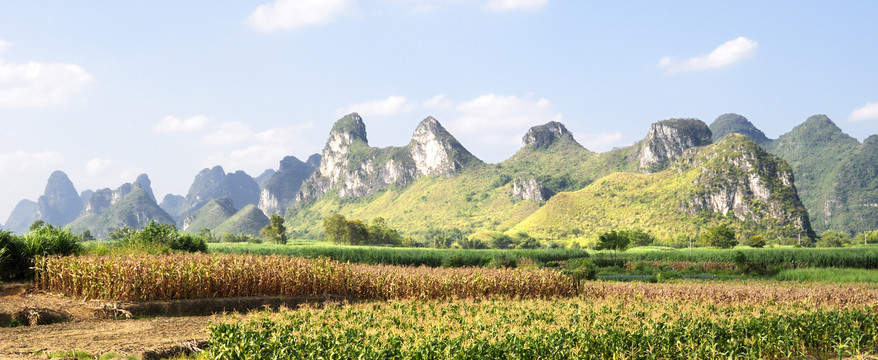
[349,167]
[488,196]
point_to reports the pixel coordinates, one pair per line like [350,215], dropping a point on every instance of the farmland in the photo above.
[354,303]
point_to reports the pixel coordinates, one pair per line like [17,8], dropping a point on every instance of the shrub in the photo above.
[581,269]
[13,256]
[503,261]
[720,236]
[156,237]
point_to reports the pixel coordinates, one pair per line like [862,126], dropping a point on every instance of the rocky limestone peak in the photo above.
[437,152]
[314,160]
[146,184]
[60,203]
[279,192]
[736,124]
[349,129]
[667,140]
[739,177]
[543,136]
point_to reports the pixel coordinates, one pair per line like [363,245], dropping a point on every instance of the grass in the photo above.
[829,275]
[395,255]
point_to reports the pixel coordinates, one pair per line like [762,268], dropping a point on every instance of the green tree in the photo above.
[336,228]
[36,225]
[756,241]
[720,236]
[275,231]
[831,238]
[613,240]
[638,237]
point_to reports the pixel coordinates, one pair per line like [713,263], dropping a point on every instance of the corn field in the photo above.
[181,276]
[571,328]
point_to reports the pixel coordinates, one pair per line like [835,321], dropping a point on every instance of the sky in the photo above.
[107,90]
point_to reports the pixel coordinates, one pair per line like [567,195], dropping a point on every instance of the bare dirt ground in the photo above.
[128,337]
[51,323]
[33,323]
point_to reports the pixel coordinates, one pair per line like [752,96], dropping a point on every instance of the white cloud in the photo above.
[35,84]
[262,150]
[601,142]
[4,45]
[289,14]
[97,166]
[22,161]
[438,102]
[175,124]
[726,54]
[867,112]
[228,133]
[390,106]
[491,113]
[507,5]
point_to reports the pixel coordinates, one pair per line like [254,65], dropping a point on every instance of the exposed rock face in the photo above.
[736,124]
[214,183]
[543,136]
[85,195]
[60,204]
[741,178]
[22,216]
[279,192]
[667,140]
[435,152]
[349,167]
[529,189]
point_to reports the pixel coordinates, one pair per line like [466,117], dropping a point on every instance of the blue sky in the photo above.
[106,90]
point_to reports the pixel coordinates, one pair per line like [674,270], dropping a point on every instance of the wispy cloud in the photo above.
[228,133]
[493,113]
[726,54]
[174,124]
[601,142]
[261,150]
[867,112]
[24,161]
[508,5]
[390,106]
[97,166]
[35,84]
[290,14]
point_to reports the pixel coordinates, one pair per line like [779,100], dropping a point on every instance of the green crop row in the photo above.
[401,256]
[548,329]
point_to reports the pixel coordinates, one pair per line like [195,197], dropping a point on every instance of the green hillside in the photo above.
[210,216]
[247,221]
[816,150]
[671,204]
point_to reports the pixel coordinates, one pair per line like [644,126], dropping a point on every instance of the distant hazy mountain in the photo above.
[23,215]
[132,204]
[214,183]
[174,205]
[279,191]
[260,180]
[60,203]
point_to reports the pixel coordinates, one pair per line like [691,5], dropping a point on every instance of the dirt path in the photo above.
[129,337]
